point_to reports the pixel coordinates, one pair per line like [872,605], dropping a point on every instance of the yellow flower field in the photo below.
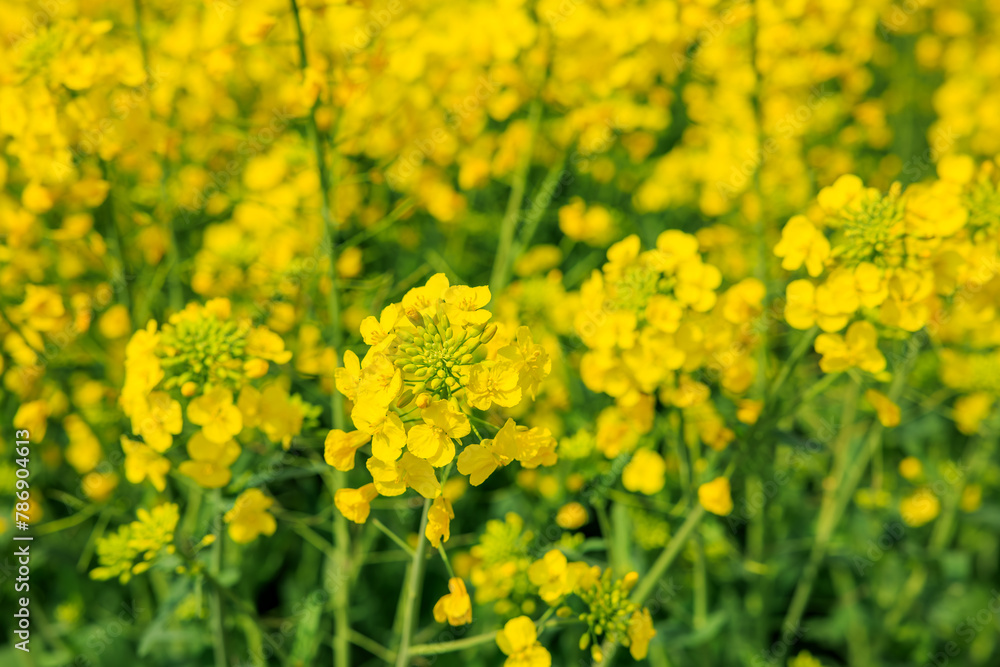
[533,334]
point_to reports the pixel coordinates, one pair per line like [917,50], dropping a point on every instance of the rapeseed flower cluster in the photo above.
[425,375]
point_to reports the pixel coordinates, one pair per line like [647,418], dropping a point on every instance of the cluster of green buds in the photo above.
[609,610]
[203,351]
[873,231]
[435,354]
[638,282]
[149,537]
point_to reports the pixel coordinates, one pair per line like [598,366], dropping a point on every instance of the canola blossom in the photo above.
[562,332]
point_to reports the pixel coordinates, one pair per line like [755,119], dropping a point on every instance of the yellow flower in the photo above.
[340,447]
[801,243]
[910,468]
[836,300]
[278,416]
[841,194]
[392,478]
[463,305]
[859,348]
[591,225]
[920,507]
[645,473]
[159,422]
[715,497]
[494,382]
[265,344]
[531,360]
[98,486]
[906,306]
[210,461]
[142,462]
[385,428]
[972,498]
[379,382]
[249,517]
[664,313]
[971,410]
[742,301]
[215,413]
[114,322]
[84,451]
[479,461]
[377,332]
[871,284]
[33,416]
[885,409]
[696,283]
[423,300]
[554,576]
[439,518]
[347,376]
[640,632]
[748,410]
[433,440]
[519,642]
[355,504]
[800,304]
[455,607]
[571,516]
[42,308]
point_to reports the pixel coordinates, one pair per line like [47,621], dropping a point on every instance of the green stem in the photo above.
[393,536]
[215,599]
[832,510]
[412,598]
[476,640]
[337,567]
[372,646]
[793,359]
[501,263]
[645,586]
[447,563]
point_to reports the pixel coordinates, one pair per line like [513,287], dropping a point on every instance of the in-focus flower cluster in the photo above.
[427,374]
[203,365]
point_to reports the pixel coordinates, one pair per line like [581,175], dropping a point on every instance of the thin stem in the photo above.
[336,571]
[393,536]
[215,599]
[645,586]
[372,646]
[447,563]
[477,640]
[412,598]
[501,263]
[847,481]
